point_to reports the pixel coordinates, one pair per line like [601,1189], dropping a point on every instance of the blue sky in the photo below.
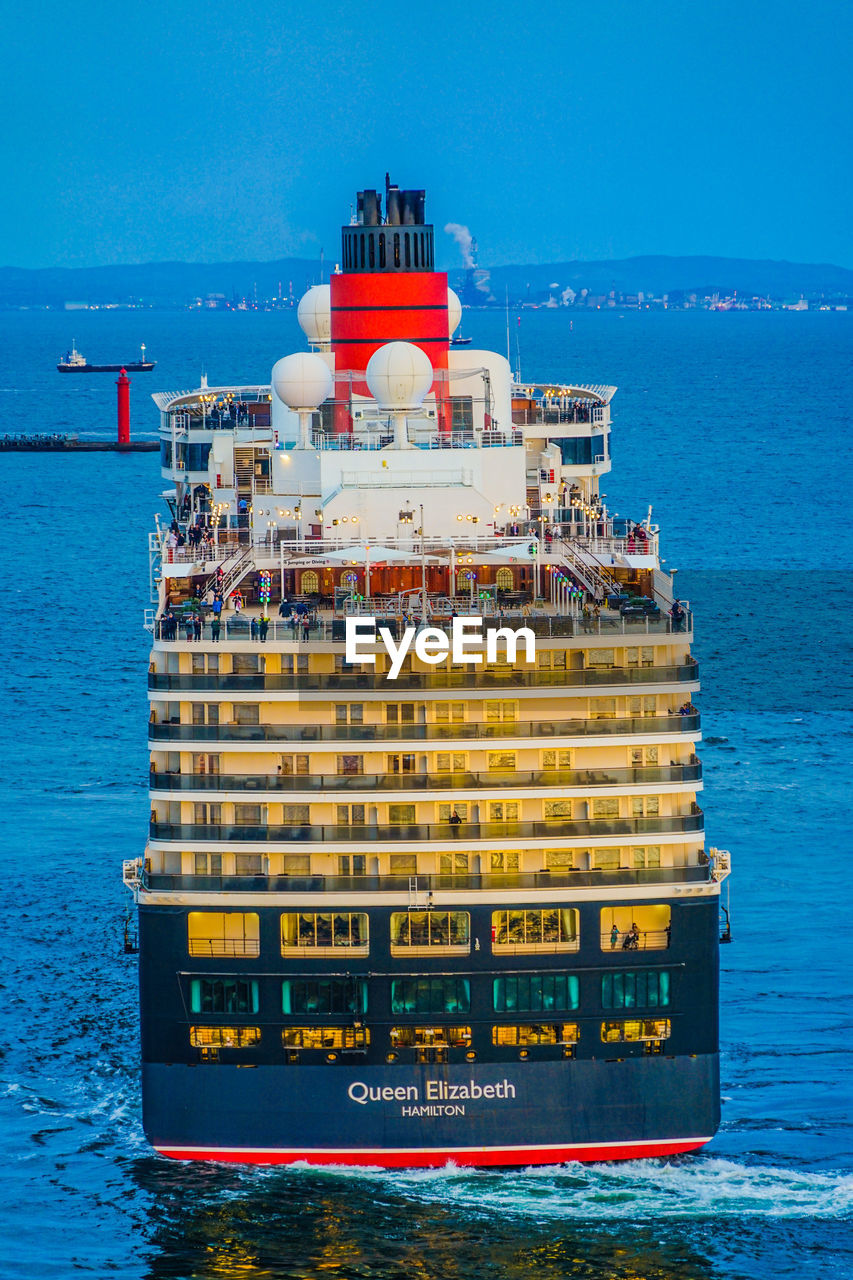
[241,129]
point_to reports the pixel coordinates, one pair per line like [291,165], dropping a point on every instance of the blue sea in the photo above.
[735,428]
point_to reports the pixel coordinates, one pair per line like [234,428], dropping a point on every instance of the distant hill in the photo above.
[660,275]
[174,284]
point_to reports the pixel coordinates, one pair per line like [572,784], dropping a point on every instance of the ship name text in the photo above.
[468,642]
[434,1091]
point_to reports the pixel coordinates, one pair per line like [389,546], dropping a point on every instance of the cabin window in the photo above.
[605,807]
[403,864]
[636,1030]
[645,806]
[295,814]
[350,815]
[558,810]
[428,929]
[223,933]
[535,992]
[450,712]
[501,711]
[446,811]
[248,864]
[401,814]
[605,860]
[556,759]
[536,1033]
[349,766]
[643,706]
[561,860]
[325,1037]
[646,857]
[601,657]
[225,1037]
[548,929]
[453,864]
[324,996]
[504,860]
[296,864]
[501,761]
[431,995]
[503,811]
[451,762]
[223,995]
[323,931]
[430,1037]
[349,713]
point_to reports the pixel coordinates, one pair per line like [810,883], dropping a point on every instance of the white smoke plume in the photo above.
[464,239]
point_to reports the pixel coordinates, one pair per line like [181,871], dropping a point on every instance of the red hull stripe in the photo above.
[418,1157]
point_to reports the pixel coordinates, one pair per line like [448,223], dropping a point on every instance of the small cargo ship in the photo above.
[74,362]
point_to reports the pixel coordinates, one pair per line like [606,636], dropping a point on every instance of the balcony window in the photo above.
[504,860]
[647,856]
[561,860]
[350,766]
[401,814]
[503,811]
[642,656]
[605,860]
[635,989]
[323,932]
[416,931]
[403,864]
[641,927]
[207,814]
[536,1033]
[501,761]
[501,711]
[323,996]
[247,713]
[401,762]
[637,1030]
[350,815]
[601,658]
[291,765]
[349,713]
[644,755]
[352,864]
[449,712]
[297,864]
[548,929]
[325,1037]
[400,713]
[247,815]
[451,762]
[223,995]
[296,814]
[453,864]
[248,864]
[558,810]
[223,933]
[446,811]
[643,706]
[556,759]
[602,708]
[207,864]
[645,806]
[535,992]
[431,995]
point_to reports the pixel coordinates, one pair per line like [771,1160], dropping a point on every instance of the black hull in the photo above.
[538,1113]
[138,367]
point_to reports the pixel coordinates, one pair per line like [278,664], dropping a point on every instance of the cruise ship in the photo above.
[426,877]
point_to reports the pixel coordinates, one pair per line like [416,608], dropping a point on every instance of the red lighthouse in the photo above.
[123,408]
[388,290]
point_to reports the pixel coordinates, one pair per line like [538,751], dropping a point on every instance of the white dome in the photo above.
[399,375]
[314,314]
[302,381]
[454,312]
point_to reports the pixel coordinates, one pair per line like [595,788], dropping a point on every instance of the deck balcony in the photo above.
[503,680]
[155,882]
[462,834]
[645,726]
[379,782]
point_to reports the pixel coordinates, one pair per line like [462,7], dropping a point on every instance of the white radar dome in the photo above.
[399,375]
[454,312]
[302,381]
[314,314]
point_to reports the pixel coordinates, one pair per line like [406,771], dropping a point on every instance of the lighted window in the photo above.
[431,995]
[501,761]
[225,1037]
[324,995]
[325,1037]
[310,582]
[548,929]
[536,1033]
[636,1030]
[322,931]
[223,995]
[451,929]
[641,927]
[430,1037]
[503,579]
[558,809]
[223,933]
[535,992]
[556,759]
[635,989]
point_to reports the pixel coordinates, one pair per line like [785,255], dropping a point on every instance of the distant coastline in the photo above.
[642,282]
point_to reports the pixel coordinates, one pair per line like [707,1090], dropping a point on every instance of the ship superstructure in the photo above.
[461,912]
